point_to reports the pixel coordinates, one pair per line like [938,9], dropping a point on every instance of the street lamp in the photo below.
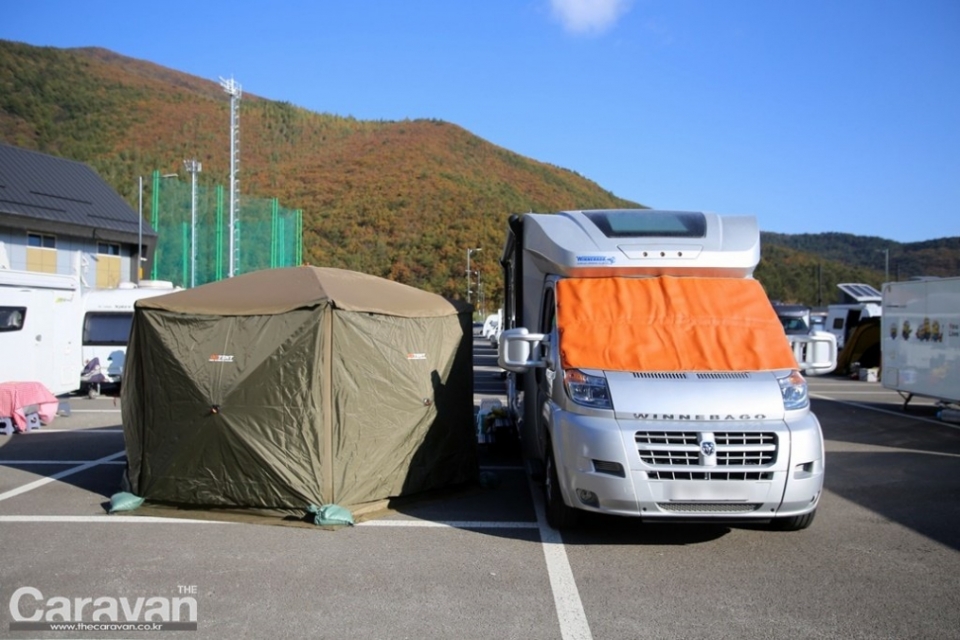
[140,258]
[469,252]
[193,167]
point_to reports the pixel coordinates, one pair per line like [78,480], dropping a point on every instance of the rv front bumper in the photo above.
[666,470]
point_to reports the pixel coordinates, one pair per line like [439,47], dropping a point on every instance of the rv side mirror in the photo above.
[518,348]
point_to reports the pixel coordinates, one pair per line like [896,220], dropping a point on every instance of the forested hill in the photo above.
[398,199]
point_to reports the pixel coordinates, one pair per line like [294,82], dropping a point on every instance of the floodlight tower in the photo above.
[233,89]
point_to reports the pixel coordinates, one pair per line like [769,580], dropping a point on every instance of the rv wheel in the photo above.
[559,515]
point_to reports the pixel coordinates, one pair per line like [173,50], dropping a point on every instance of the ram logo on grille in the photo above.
[708,448]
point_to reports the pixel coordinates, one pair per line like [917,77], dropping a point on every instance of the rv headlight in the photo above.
[794,390]
[587,390]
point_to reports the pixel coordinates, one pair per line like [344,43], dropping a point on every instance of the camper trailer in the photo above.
[920,339]
[649,375]
[106,320]
[40,329]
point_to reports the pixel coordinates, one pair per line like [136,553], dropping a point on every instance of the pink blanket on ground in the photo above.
[16,396]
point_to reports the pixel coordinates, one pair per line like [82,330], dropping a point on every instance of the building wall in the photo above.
[72,255]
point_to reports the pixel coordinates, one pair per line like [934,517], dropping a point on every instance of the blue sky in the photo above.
[813,115]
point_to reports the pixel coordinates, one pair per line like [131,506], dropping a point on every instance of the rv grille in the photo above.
[683,448]
[734,476]
[709,507]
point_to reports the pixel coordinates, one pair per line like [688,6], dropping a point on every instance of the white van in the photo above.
[107,316]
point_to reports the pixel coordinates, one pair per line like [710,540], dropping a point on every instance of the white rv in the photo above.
[858,302]
[649,375]
[920,338]
[816,348]
[40,329]
[106,320]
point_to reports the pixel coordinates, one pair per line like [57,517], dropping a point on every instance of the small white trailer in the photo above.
[40,329]
[920,341]
[106,319]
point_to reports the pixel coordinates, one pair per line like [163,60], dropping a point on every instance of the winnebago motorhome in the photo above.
[650,376]
[40,329]
[107,316]
[920,338]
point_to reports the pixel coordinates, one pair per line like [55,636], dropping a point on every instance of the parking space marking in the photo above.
[566,596]
[901,414]
[452,524]
[63,474]
[30,463]
[39,431]
[108,519]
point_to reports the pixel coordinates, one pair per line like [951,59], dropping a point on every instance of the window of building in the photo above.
[108,248]
[41,253]
[41,240]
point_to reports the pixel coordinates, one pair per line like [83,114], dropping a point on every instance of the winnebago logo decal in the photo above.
[416,356]
[599,260]
[220,358]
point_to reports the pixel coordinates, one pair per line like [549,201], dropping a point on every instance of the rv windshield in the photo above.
[649,224]
[106,329]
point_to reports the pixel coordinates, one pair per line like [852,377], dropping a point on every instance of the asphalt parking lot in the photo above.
[880,561]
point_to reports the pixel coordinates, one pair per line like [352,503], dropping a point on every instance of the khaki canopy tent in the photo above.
[288,387]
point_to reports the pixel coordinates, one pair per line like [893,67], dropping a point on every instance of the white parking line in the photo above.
[45,430]
[453,524]
[887,411]
[107,519]
[26,463]
[566,597]
[63,474]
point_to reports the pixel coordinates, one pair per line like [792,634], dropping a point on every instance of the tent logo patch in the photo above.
[416,356]
[220,358]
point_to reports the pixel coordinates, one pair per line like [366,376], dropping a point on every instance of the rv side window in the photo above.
[838,323]
[11,318]
[106,329]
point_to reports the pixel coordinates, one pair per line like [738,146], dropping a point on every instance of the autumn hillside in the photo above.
[403,200]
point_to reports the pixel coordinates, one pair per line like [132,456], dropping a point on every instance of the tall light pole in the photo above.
[234,90]
[469,281]
[193,167]
[140,258]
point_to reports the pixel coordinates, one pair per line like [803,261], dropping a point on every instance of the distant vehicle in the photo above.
[107,316]
[40,329]
[816,350]
[858,302]
[920,339]
[490,325]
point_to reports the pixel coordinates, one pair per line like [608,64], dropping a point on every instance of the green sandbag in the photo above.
[330,515]
[124,501]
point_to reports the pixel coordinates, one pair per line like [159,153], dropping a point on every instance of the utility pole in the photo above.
[193,168]
[469,273]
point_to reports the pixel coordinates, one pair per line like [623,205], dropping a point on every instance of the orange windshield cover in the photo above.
[669,324]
